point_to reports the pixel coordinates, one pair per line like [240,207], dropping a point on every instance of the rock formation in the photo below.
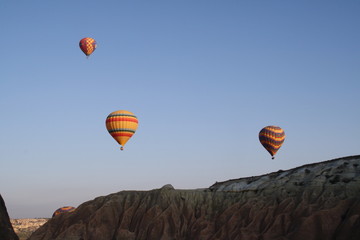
[316,201]
[6,230]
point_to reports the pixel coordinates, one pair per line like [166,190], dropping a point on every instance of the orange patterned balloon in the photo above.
[87,45]
[272,137]
[63,210]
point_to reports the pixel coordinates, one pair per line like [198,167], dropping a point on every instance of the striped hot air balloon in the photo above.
[63,210]
[121,126]
[87,45]
[272,137]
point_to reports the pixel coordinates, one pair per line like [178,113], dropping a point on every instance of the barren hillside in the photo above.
[316,201]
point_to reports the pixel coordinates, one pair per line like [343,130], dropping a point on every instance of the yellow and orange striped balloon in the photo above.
[87,45]
[272,137]
[121,126]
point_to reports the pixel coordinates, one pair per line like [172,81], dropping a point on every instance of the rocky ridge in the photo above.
[315,201]
[324,176]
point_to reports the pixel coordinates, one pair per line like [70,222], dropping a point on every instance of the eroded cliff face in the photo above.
[6,230]
[318,201]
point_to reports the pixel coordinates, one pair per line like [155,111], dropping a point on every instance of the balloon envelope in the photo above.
[63,210]
[87,45]
[121,125]
[272,137]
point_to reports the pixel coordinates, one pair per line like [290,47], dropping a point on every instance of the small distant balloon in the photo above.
[63,210]
[272,137]
[121,125]
[87,45]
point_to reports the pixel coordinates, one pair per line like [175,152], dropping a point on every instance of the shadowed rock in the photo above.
[6,230]
[316,201]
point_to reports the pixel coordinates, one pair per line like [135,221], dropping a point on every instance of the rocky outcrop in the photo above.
[317,201]
[6,230]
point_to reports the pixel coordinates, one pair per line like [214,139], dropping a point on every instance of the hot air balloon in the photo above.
[272,137]
[87,45]
[63,210]
[121,126]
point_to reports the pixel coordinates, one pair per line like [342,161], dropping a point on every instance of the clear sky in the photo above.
[203,78]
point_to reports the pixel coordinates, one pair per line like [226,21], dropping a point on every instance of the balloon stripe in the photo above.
[121,119]
[272,143]
[121,130]
[278,138]
[121,115]
[122,134]
[270,139]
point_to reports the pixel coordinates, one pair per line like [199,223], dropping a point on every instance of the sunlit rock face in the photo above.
[6,230]
[316,201]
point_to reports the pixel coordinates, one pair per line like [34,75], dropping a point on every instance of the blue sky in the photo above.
[203,78]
